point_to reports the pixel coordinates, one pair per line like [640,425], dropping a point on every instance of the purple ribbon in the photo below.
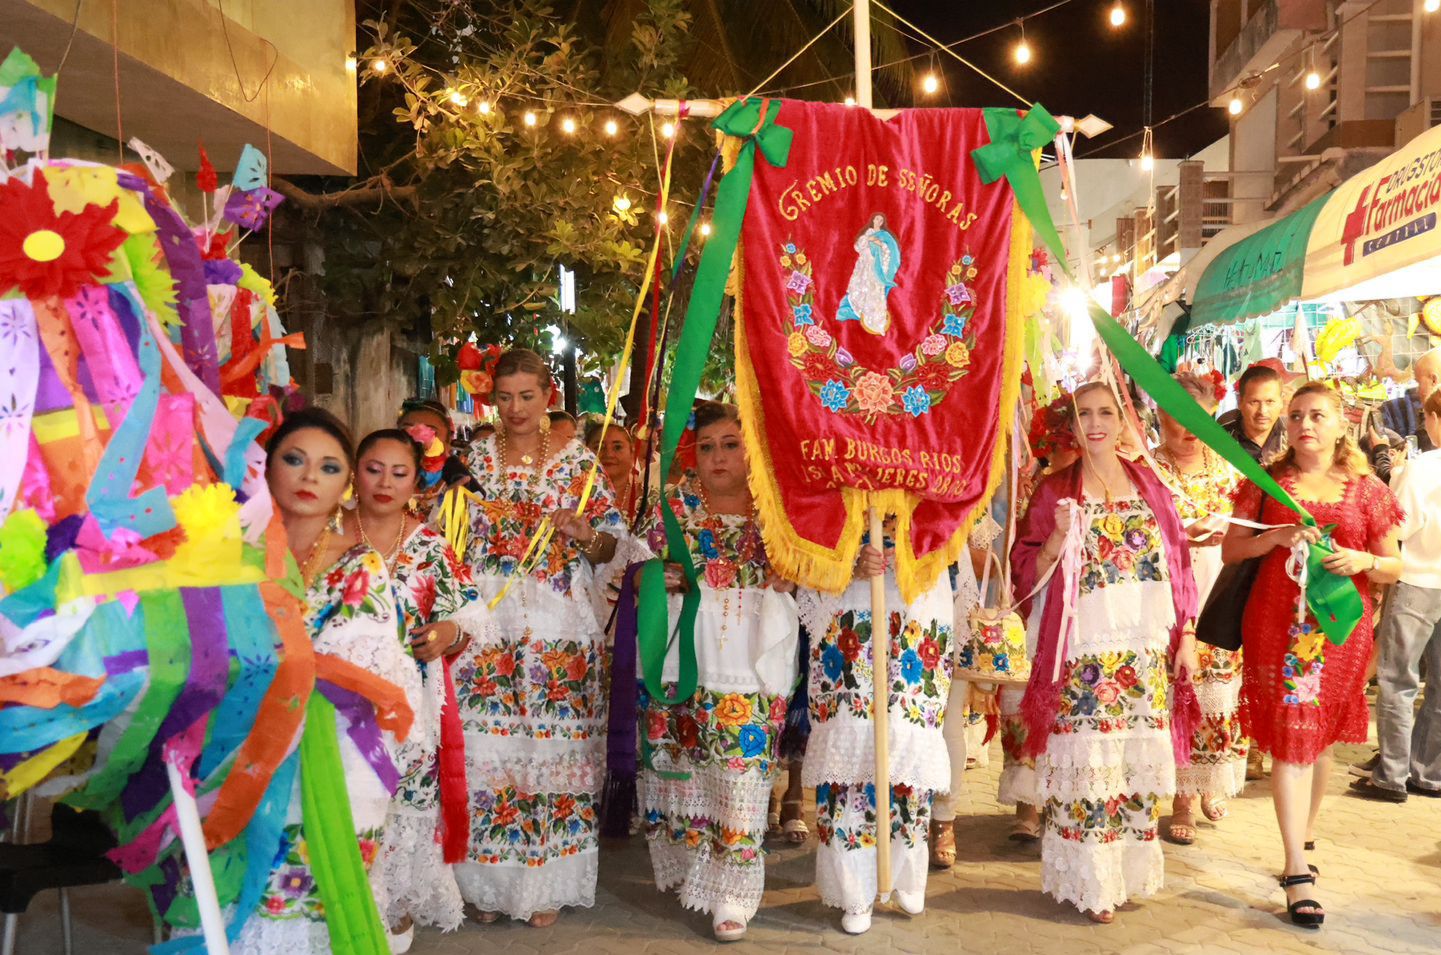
[182,256]
[619,791]
[364,732]
[204,689]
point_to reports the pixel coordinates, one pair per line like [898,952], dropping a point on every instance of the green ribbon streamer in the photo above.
[1014,139]
[754,120]
[350,912]
[1334,600]
[161,616]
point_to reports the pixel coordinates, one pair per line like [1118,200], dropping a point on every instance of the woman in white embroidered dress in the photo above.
[439,608]
[712,759]
[530,691]
[1101,699]
[1218,749]
[840,757]
[351,615]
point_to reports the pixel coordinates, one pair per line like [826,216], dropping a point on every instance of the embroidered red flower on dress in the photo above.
[45,253]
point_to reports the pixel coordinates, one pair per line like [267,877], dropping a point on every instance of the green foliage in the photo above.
[466,213]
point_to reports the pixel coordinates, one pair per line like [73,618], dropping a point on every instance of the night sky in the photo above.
[1080,65]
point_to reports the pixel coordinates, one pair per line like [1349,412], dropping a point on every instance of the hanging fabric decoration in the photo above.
[878,340]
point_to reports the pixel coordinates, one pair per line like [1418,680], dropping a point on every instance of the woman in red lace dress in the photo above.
[1302,693]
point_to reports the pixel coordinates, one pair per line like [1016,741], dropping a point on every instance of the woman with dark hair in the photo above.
[1302,693]
[1205,483]
[705,788]
[429,414]
[840,755]
[351,615]
[1107,681]
[529,692]
[439,607]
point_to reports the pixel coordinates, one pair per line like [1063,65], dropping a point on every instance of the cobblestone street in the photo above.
[1379,883]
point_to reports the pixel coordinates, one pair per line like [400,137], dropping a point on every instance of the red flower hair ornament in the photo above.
[44,253]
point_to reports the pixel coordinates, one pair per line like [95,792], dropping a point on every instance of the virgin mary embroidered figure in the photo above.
[878,258]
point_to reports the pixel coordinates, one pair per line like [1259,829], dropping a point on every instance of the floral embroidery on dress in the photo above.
[1305,659]
[505,521]
[1101,692]
[554,690]
[1206,491]
[737,730]
[846,815]
[843,671]
[1122,544]
[345,591]
[291,891]
[530,828]
[726,548]
[1109,820]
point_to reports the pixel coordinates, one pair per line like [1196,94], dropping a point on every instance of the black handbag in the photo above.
[1220,621]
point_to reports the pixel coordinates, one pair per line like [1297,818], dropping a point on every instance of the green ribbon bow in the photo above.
[754,120]
[1335,601]
[1014,138]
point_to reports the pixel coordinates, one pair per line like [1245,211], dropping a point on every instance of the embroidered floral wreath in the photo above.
[918,383]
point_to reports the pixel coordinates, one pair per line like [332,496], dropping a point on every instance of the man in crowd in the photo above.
[1256,423]
[1404,415]
[1410,756]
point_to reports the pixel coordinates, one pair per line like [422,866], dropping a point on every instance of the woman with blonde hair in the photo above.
[1204,483]
[1102,699]
[1302,693]
[529,690]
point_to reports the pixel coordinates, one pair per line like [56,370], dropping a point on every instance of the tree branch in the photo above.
[376,190]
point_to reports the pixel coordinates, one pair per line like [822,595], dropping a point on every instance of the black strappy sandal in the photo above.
[1303,919]
[1314,871]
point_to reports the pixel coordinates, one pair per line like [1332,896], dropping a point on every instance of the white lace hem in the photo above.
[1100,877]
[704,881]
[846,878]
[843,749]
[532,766]
[1226,778]
[411,876]
[520,891]
[1101,767]
[1219,699]
[1019,784]
[735,800]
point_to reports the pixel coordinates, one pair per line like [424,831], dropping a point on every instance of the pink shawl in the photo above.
[1042,700]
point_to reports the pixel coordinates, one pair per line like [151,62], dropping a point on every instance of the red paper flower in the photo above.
[206,178]
[1051,428]
[44,253]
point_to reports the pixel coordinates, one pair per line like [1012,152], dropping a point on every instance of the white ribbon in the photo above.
[1297,569]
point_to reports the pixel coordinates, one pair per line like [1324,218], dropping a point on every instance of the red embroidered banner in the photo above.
[877,352]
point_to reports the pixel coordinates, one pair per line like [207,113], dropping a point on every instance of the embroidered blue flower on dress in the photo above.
[802,315]
[835,396]
[911,666]
[832,662]
[752,740]
[707,544]
[917,401]
[955,325]
[790,248]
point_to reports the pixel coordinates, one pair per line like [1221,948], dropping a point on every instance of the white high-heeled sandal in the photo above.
[723,914]
[911,903]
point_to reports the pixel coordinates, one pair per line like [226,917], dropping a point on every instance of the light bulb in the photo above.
[1063,194]
[930,84]
[1118,15]
[1116,257]
[483,107]
[567,125]
[850,101]
[1235,106]
[667,130]
[528,118]
[379,64]
[621,203]
[350,64]
[458,98]
[1313,80]
[663,217]
[1023,53]
[705,228]
[611,127]
[1431,6]
[1147,162]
